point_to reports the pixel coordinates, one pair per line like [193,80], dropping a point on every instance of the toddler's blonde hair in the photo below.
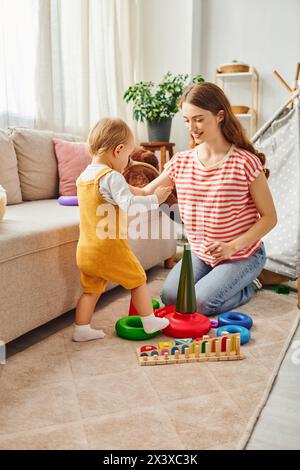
[107,134]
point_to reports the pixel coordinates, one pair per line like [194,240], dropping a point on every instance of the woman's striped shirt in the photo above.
[215,202]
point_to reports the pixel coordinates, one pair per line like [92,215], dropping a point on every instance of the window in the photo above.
[18,42]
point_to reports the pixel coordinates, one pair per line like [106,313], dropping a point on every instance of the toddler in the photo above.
[103,252]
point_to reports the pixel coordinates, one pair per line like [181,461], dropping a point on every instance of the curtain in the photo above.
[86,59]
[18,37]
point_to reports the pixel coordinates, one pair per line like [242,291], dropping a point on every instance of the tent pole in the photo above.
[295,84]
[282,81]
[292,97]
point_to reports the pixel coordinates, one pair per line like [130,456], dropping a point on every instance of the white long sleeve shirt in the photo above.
[114,189]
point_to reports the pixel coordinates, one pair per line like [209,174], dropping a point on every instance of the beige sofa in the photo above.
[38,237]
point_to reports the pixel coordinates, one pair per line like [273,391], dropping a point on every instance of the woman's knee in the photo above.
[208,304]
[168,295]
[169,291]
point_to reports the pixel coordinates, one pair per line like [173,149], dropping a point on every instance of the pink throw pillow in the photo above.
[72,158]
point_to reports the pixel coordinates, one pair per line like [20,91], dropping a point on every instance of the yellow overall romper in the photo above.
[102,259]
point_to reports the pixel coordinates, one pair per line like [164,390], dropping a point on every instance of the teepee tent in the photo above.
[279,139]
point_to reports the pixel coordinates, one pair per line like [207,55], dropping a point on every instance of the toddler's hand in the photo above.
[162,193]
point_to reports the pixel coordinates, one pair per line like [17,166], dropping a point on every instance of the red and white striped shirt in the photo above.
[214,202]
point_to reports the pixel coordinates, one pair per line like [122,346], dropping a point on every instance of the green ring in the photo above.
[130,327]
[155,303]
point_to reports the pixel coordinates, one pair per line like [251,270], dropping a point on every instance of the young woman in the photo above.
[224,202]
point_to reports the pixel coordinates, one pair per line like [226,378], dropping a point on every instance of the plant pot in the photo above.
[159,131]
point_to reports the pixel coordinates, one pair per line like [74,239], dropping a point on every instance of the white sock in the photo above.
[151,323]
[86,333]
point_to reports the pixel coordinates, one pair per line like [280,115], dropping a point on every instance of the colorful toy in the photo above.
[163,311]
[133,310]
[184,341]
[165,344]
[235,318]
[185,322]
[184,319]
[155,304]
[282,290]
[68,200]
[224,348]
[148,348]
[244,332]
[130,327]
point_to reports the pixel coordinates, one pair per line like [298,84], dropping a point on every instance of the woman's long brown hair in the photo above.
[210,97]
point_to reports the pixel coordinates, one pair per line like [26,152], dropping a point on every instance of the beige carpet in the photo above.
[62,395]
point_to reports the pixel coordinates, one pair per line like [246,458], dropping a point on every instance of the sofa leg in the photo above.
[170,263]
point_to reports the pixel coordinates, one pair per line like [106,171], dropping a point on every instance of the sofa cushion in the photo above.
[37,164]
[72,158]
[36,225]
[9,177]
[39,225]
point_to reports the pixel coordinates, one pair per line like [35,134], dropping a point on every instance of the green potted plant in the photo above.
[157,104]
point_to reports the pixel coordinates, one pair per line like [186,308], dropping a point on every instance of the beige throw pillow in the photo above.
[9,177]
[37,164]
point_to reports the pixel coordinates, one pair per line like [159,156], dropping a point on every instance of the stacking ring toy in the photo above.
[68,200]
[155,304]
[214,324]
[245,334]
[130,327]
[235,318]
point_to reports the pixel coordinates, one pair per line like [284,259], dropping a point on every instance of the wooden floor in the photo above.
[278,426]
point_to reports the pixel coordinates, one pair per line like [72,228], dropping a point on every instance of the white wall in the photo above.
[195,36]
[263,33]
[166,31]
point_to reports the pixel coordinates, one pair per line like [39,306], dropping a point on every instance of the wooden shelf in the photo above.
[252,84]
[246,115]
[251,74]
[235,75]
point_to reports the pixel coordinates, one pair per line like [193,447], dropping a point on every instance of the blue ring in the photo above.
[245,334]
[235,318]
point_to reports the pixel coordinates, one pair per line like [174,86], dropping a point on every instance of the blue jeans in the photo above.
[219,289]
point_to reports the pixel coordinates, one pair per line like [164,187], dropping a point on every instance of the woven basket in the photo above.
[233,68]
[239,109]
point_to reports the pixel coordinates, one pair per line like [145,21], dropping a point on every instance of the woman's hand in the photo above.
[220,250]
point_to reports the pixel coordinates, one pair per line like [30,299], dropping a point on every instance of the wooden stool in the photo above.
[163,147]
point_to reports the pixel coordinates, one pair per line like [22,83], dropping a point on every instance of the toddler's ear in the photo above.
[118,149]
